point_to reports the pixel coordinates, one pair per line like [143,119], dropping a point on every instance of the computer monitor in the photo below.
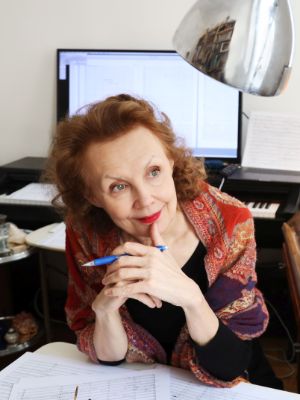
[204,112]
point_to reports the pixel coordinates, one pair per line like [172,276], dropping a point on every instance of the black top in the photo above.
[166,322]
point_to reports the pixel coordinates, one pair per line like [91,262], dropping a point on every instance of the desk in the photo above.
[62,349]
[49,237]
[52,238]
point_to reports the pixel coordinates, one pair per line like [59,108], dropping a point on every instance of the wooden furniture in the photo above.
[291,256]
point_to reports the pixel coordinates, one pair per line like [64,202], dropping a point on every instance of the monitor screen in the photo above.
[204,112]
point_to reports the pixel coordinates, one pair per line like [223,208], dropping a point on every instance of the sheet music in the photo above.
[170,383]
[39,365]
[273,142]
[33,193]
[142,385]
[184,386]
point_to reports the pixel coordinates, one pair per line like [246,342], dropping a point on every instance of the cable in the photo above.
[285,328]
[222,183]
[292,343]
[226,172]
[285,361]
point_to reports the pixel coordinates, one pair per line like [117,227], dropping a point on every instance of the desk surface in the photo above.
[71,352]
[62,349]
[49,237]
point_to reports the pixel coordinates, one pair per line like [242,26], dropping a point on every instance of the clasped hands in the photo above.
[147,275]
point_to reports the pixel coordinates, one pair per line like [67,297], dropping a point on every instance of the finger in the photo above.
[125,262]
[152,301]
[131,248]
[155,235]
[131,290]
[125,274]
[119,284]
[157,301]
[126,290]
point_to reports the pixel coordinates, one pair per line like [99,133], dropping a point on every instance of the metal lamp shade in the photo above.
[246,44]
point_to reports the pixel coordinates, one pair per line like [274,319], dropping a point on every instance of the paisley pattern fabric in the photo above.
[225,227]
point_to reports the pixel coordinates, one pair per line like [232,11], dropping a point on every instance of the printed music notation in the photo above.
[272,141]
[37,376]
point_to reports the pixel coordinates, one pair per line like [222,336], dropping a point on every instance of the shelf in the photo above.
[15,256]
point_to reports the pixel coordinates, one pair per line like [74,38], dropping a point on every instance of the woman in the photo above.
[126,186]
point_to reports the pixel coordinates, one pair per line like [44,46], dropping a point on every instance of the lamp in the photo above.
[246,44]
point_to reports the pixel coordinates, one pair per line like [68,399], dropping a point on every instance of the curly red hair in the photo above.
[101,122]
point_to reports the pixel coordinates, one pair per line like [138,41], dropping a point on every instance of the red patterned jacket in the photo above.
[225,227]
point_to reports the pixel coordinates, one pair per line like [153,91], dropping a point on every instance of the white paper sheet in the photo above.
[33,193]
[38,365]
[141,385]
[184,386]
[273,142]
[171,383]
[56,238]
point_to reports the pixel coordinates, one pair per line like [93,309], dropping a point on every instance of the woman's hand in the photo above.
[107,304]
[148,271]
[104,304]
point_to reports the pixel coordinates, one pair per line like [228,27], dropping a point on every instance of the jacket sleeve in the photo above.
[80,316]
[234,295]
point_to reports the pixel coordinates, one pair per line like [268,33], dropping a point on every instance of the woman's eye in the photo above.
[155,172]
[118,188]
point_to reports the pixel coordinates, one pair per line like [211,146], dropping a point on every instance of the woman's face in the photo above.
[131,179]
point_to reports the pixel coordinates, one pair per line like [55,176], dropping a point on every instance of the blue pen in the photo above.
[110,259]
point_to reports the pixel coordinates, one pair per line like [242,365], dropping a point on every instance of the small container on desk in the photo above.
[11,340]
[4,228]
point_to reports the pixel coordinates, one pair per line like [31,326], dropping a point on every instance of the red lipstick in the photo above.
[150,219]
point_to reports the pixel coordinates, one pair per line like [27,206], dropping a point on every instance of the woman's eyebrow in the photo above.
[114,178]
[121,178]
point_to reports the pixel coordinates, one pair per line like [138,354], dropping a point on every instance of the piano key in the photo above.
[263,210]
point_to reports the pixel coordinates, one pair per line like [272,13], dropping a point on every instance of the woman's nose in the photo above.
[143,197]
